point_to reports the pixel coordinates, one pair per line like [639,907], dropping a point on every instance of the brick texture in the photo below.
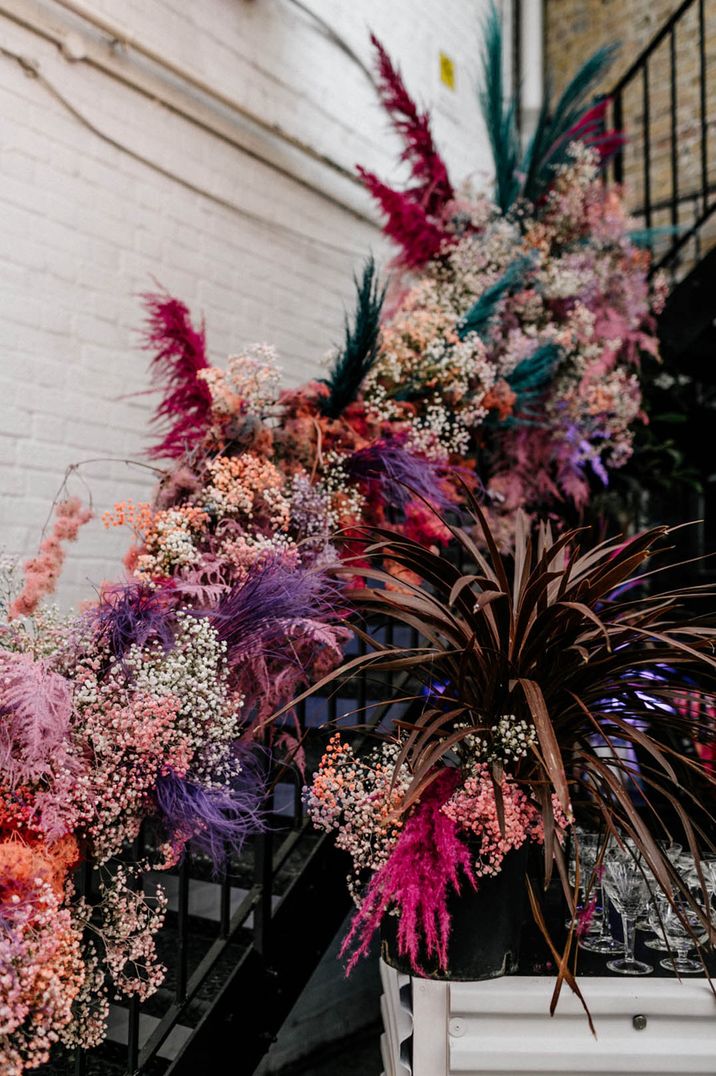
[86,228]
[575,28]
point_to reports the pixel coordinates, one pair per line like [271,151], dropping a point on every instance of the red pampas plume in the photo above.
[591,131]
[180,354]
[433,189]
[408,225]
[414,214]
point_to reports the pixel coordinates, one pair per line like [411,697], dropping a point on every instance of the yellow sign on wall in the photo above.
[447,70]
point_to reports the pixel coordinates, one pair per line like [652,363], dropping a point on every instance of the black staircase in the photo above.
[666,99]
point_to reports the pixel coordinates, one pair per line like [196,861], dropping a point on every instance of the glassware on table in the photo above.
[658,942]
[681,937]
[625,885]
[588,851]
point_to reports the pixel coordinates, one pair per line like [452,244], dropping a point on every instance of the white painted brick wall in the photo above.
[86,228]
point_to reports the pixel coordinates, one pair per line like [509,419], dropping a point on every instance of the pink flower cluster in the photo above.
[473,809]
[43,571]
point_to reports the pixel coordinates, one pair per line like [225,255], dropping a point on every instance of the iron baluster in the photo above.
[646,148]
[673,110]
[263,880]
[182,963]
[225,900]
[703,104]
[618,108]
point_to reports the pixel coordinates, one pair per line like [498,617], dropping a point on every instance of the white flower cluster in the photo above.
[509,741]
[194,672]
[172,545]
[344,497]
[253,377]
[439,433]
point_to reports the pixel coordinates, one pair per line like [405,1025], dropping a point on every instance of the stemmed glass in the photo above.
[626,887]
[600,939]
[588,844]
[681,937]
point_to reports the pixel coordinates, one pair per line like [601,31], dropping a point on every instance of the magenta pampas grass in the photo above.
[423,867]
[433,189]
[408,224]
[180,354]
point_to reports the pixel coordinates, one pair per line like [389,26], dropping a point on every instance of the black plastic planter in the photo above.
[486,926]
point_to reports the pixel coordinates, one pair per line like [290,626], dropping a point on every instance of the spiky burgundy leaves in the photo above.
[433,189]
[179,356]
[217,821]
[425,865]
[399,473]
[132,616]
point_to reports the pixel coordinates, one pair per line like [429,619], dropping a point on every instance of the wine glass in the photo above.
[626,887]
[682,929]
[588,844]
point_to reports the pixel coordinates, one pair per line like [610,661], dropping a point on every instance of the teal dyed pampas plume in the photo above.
[478,316]
[499,114]
[534,373]
[557,129]
[360,347]
[573,118]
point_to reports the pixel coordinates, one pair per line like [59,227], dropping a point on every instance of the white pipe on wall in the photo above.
[532,61]
[123,36]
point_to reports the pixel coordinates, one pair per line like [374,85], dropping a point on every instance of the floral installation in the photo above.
[517,322]
[124,715]
[504,360]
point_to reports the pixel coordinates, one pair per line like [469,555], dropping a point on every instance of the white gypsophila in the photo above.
[195,673]
[510,741]
[440,433]
[253,377]
[345,499]
[172,545]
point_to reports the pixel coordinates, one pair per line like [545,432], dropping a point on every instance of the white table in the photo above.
[643,1025]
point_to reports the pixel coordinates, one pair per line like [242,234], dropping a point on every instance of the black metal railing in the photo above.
[665,101]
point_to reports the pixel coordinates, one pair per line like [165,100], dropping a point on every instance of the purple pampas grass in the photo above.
[131,616]
[400,473]
[216,821]
[274,598]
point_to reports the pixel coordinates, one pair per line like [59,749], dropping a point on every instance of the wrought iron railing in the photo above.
[666,101]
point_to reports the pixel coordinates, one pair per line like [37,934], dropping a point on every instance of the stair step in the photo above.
[204,897]
[118,1026]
